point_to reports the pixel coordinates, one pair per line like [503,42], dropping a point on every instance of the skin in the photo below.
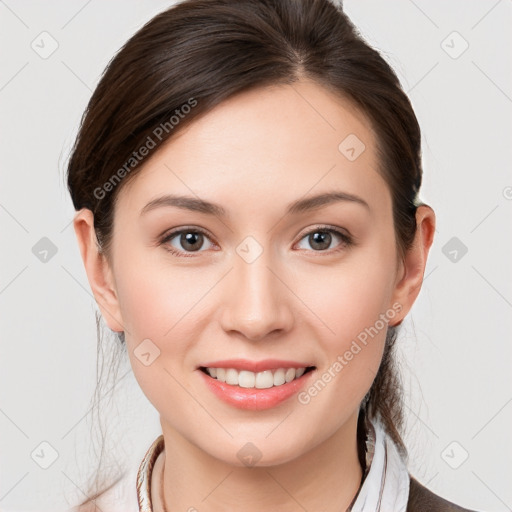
[254,154]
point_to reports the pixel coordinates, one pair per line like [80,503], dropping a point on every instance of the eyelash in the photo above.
[346,240]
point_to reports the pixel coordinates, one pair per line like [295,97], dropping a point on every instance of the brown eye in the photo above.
[191,241]
[185,240]
[320,239]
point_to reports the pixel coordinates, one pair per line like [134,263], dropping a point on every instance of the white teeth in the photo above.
[261,380]
[279,377]
[264,379]
[246,379]
[232,377]
[291,373]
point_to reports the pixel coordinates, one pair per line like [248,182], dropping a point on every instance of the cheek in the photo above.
[154,312]
[160,306]
[145,303]
[155,299]
[156,307]
[351,306]
[356,316]
[348,298]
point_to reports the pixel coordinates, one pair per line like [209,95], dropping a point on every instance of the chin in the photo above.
[261,451]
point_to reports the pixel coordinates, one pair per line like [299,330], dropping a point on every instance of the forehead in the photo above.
[271,144]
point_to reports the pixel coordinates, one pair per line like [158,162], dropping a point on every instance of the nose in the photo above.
[257,300]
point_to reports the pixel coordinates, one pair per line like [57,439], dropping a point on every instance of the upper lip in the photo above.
[255,366]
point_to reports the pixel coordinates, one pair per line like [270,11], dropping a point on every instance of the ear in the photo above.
[97,267]
[412,269]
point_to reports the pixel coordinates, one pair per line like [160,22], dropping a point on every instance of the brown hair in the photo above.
[193,56]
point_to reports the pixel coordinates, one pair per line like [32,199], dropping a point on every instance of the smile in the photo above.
[258,380]
[255,385]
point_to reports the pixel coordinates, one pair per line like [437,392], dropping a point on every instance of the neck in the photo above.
[325,478]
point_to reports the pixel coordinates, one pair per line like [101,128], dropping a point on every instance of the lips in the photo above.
[255,385]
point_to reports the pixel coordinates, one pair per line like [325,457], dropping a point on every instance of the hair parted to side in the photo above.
[193,56]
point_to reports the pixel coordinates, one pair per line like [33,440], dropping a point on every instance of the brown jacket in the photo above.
[423,500]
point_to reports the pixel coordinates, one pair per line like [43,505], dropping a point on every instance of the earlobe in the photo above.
[410,277]
[99,273]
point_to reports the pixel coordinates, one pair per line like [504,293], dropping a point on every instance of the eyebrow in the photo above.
[202,206]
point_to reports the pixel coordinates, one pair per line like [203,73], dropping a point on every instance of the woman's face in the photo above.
[257,280]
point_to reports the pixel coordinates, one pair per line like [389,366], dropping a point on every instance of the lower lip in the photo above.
[252,398]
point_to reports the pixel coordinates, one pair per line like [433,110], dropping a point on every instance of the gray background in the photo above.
[455,345]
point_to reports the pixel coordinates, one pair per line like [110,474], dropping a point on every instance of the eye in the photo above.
[320,238]
[181,241]
[185,241]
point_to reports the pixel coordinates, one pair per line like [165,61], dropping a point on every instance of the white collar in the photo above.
[386,486]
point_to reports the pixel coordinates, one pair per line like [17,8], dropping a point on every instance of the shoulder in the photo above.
[423,500]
